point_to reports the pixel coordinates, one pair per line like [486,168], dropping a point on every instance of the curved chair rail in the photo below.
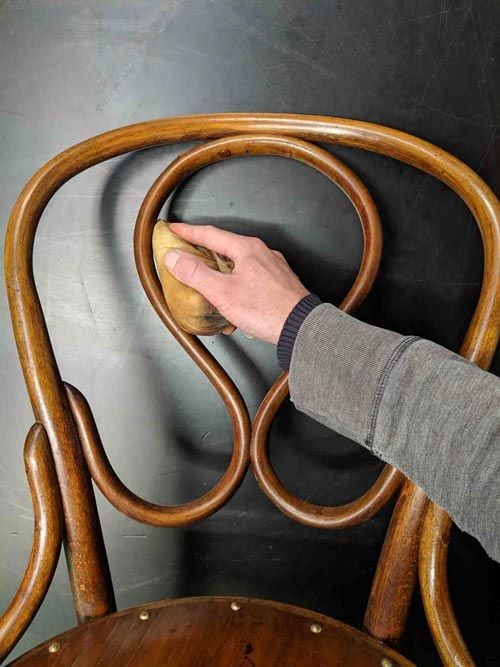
[47,538]
[128,502]
[57,407]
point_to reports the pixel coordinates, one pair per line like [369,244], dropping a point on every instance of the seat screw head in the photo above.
[316,628]
[144,615]
[235,606]
[54,647]
[386,663]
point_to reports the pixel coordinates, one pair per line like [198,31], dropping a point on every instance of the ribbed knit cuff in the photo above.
[291,329]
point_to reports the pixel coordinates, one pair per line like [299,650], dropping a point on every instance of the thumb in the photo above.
[193,272]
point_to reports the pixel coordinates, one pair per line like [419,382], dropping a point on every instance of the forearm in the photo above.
[414,404]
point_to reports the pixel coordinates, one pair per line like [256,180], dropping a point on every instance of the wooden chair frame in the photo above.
[63,451]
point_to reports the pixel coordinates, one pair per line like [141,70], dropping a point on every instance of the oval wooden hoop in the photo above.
[352,186]
[90,580]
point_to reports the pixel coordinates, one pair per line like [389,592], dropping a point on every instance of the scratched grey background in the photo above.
[71,69]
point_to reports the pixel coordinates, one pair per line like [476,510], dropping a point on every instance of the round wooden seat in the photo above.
[213,631]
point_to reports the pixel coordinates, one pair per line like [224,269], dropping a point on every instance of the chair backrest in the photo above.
[65,445]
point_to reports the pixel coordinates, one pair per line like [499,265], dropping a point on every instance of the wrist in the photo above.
[291,328]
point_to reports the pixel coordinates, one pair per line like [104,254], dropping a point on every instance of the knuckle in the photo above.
[256,244]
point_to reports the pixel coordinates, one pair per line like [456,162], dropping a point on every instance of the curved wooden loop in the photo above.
[332,168]
[47,540]
[318,516]
[434,588]
[128,502]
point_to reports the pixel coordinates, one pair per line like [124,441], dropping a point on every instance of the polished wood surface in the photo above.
[47,540]
[214,632]
[241,134]
[395,577]
[134,506]
[434,588]
[318,516]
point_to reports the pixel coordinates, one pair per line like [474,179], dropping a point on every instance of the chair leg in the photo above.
[396,575]
[434,587]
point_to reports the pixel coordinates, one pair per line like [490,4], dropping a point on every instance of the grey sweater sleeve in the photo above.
[423,409]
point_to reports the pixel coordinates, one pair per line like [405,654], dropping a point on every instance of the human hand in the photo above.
[257,296]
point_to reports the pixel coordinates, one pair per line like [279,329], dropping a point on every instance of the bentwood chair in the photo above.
[64,454]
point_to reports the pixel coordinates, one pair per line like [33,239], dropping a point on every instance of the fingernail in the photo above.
[171,259]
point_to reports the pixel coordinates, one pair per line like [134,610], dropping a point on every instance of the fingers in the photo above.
[193,272]
[225,243]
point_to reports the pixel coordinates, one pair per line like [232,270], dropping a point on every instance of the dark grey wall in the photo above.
[71,69]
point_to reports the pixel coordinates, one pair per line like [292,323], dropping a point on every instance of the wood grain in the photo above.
[214,632]
[395,577]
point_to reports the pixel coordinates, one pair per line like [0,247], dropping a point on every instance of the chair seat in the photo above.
[211,632]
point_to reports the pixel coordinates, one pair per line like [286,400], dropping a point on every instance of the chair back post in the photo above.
[88,568]
[393,586]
